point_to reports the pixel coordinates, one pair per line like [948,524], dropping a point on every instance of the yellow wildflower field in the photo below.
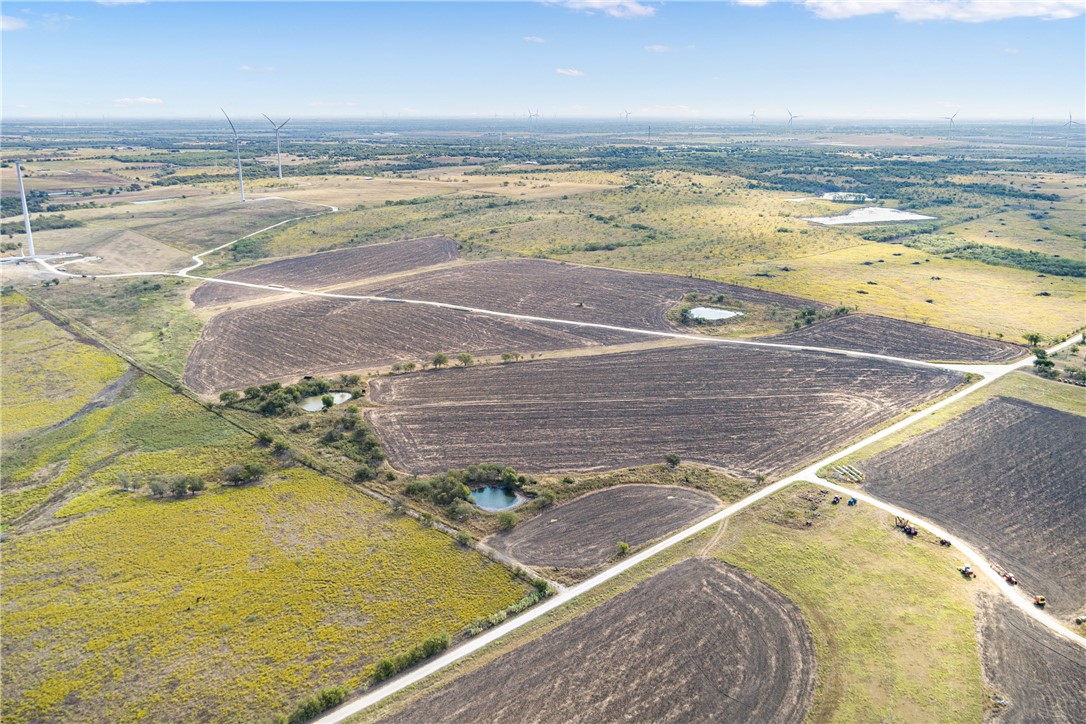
[231,604]
[47,374]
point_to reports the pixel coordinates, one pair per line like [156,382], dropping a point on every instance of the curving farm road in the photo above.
[987,373]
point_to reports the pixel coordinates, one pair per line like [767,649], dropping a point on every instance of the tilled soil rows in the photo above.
[700,641]
[563,291]
[749,411]
[584,532]
[328,268]
[315,336]
[1006,476]
[882,335]
[1041,677]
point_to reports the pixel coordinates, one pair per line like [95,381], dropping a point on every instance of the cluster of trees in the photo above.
[315,704]
[273,399]
[159,485]
[451,489]
[389,667]
[13,206]
[243,473]
[351,436]
[998,255]
[41,223]
[809,315]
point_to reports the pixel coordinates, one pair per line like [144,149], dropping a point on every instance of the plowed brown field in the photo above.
[882,335]
[749,411]
[1006,476]
[285,340]
[584,532]
[329,268]
[1042,677]
[701,641]
[565,291]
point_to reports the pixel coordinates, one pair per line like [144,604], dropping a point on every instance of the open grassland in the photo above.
[1006,476]
[149,317]
[968,296]
[574,292]
[131,237]
[60,176]
[147,429]
[231,604]
[1040,677]
[749,411]
[892,620]
[317,336]
[584,532]
[317,271]
[699,641]
[47,374]
[882,335]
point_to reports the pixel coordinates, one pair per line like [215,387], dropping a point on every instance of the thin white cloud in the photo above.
[1011,51]
[9,23]
[533,39]
[115,3]
[569,71]
[968,11]
[246,68]
[614,8]
[141,101]
[57,21]
[659,48]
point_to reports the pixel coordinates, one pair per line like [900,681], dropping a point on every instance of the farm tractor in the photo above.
[1006,576]
[967,571]
[906,527]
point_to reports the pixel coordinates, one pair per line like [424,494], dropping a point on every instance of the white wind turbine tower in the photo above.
[26,213]
[950,132]
[237,149]
[752,117]
[278,156]
[626,115]
[1070,126]
[791,118]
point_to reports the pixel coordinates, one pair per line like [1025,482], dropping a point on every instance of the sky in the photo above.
[829,59]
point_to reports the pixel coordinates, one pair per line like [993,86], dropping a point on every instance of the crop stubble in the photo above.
[749,411]
[699,641]
[585,531]
[1007,476]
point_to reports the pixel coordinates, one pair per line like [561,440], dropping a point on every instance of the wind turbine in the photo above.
[237,148]
[951,118]
[625,115]
[1071,123]
[1031,122]
[752,117]
[26,214]
[278,157]
[791,118]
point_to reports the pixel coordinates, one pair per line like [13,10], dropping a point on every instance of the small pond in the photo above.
[712,313]
[315,404]
[494,498]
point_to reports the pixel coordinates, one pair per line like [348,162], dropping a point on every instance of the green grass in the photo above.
[891,619]
[47,374]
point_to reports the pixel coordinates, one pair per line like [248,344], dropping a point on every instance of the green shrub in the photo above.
[316,704]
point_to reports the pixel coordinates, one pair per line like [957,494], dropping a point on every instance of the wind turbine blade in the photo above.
[231,123]
[269,120]
[283,124]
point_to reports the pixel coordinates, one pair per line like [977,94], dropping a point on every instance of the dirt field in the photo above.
[882,335]
[700,641]
[565,291]
[329,268]
[1042,677]
[584,532]
[285,340]
[749,411]
[1007,476]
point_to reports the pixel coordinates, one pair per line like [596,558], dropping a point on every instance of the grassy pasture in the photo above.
[47,373]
